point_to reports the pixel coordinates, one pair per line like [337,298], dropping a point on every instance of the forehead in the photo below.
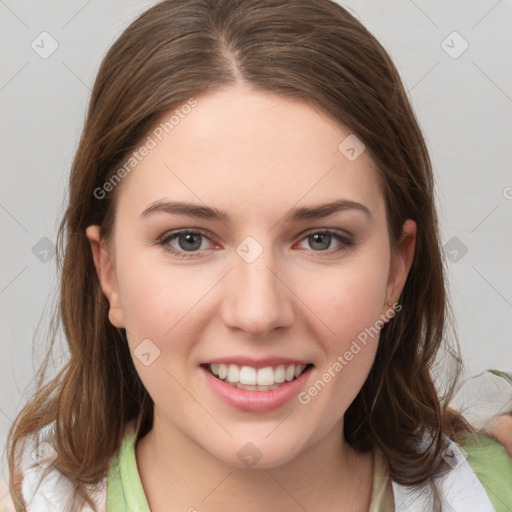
[249,151]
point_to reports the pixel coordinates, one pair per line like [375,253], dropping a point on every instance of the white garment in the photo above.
[54,492]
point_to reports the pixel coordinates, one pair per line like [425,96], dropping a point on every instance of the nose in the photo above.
[257,299]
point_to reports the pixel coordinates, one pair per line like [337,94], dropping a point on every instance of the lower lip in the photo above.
[256,401]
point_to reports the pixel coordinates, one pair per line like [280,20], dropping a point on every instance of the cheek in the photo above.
[350,297]
[350,306]
[157,310]
[153,296]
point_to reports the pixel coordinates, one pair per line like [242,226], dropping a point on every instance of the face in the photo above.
[262,281]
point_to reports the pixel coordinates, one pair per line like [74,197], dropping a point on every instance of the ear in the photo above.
[401,262]
[106,275]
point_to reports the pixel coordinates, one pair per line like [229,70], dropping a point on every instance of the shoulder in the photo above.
[484,397]
[485,400]
[493,467]
[44,488]
[479,479]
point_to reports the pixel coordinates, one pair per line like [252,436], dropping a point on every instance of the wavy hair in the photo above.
[311,50]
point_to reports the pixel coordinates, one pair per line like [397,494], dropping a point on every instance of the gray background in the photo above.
[462,100]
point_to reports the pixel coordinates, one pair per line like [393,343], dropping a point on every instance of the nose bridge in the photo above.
[257,300]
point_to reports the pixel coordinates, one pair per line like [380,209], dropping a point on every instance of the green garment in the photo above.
[124,487]
[493,467]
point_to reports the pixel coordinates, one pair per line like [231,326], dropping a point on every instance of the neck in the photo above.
[328,475]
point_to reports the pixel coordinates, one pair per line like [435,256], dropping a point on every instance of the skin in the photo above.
[500,427]
[255,155]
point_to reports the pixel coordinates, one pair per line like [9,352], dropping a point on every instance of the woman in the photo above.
[254,131]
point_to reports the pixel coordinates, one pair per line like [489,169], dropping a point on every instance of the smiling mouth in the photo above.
[248,378]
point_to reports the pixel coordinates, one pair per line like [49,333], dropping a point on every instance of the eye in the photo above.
[188,241]
[320,240]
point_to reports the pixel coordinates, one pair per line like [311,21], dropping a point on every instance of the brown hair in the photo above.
[311,50]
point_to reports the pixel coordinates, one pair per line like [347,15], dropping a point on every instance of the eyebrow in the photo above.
[303,213]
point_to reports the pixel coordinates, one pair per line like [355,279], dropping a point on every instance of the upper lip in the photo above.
[256,363]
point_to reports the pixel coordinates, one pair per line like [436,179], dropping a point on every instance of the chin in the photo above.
[258,452]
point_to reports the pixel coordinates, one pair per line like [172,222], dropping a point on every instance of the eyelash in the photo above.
[164,242]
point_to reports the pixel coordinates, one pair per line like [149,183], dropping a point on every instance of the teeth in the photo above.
[246,375]
[249,376]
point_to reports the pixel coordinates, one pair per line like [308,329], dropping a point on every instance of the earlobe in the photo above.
[106,275]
